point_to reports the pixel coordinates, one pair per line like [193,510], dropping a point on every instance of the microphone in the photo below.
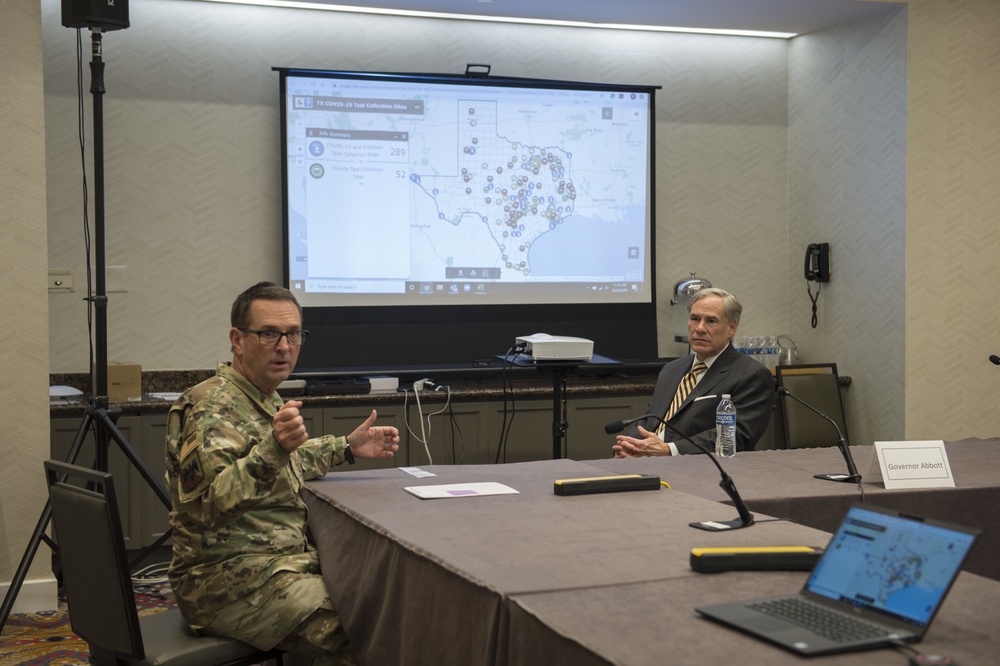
[994,359]
[745,519]
[852,472]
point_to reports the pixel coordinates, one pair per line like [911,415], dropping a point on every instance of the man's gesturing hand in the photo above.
[289,428]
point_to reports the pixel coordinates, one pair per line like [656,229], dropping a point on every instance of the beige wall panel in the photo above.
[24,356]
[953,220]
[847,187]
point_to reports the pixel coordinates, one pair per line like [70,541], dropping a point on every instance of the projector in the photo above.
[545,347]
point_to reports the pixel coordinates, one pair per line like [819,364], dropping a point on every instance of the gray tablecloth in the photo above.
[780,483]
[427,581]
[654,623]
[536,578]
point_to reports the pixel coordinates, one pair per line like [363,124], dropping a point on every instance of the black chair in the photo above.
[819,386]
[98,584]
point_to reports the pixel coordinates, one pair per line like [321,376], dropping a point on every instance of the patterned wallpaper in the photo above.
[847,187]
[953,220]
[24,437]
[192,161]
[762,146]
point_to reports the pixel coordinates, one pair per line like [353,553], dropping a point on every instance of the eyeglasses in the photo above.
[272,338]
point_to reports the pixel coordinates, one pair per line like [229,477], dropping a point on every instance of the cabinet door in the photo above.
[342,421]
[587,439]
[458,435]
[128,481]
[312,418]
[531,426]
[526,428]
[153,450]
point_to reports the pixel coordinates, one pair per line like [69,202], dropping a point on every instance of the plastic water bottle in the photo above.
[725,428]
[772,352]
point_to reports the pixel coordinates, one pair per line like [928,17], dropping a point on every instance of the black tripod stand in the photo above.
[98,418]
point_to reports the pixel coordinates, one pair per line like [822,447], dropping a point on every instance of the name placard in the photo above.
[918,464]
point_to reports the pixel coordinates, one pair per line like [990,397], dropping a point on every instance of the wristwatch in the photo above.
[348,455]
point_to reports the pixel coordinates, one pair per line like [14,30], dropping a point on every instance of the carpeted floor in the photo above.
[41,639]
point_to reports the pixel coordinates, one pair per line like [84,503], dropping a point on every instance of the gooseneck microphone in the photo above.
[852,472]
[994,359]
[745,519]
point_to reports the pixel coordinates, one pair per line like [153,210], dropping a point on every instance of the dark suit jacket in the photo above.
[748,382]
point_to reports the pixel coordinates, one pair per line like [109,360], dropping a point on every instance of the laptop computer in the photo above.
[882,570]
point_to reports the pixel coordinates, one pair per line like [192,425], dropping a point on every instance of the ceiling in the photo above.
[791,16]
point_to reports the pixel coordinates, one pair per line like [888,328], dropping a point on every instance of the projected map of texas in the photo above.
[476,185]
[517,191]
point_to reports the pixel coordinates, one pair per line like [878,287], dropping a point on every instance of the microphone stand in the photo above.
[852,472]
[745,519]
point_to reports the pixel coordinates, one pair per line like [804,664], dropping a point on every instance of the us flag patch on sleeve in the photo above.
[188,447]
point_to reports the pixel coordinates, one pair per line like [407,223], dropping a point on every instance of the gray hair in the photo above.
[730,304]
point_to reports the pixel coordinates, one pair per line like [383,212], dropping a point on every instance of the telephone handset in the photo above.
[817,262]
[817,269]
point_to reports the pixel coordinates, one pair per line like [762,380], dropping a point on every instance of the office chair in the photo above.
[819,386]
[98,584]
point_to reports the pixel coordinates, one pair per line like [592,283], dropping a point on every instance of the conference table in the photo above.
[780,483]
[538,578]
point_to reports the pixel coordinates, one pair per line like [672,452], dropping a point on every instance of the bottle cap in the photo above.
[726,396]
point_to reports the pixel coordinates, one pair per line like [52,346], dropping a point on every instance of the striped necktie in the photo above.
[687,383]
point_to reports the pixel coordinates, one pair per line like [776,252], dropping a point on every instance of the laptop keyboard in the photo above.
[825,622]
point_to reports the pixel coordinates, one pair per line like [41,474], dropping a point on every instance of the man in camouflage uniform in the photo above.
[237,457]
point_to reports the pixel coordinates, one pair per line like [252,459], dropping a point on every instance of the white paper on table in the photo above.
[417,472]
[460,490]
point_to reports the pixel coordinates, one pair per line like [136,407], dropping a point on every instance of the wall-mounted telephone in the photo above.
[817,263]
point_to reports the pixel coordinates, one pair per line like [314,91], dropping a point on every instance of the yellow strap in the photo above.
[601,478]
[753,549]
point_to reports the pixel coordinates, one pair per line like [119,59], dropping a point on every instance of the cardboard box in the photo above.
[124,382]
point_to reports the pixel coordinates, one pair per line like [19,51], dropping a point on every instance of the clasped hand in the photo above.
[647,444]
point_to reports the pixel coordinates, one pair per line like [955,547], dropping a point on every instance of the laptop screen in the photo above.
[892,563]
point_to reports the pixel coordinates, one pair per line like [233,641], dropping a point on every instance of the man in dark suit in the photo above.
[714,368]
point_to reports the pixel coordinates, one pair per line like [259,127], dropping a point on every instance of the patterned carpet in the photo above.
[41,639]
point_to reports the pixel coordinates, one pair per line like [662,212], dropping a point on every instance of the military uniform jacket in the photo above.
[236,514]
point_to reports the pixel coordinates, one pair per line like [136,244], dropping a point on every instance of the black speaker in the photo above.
[104,14]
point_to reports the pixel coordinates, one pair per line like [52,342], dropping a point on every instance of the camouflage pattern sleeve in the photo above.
[236,513]
[318,455]
[222,453]
[224,469]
